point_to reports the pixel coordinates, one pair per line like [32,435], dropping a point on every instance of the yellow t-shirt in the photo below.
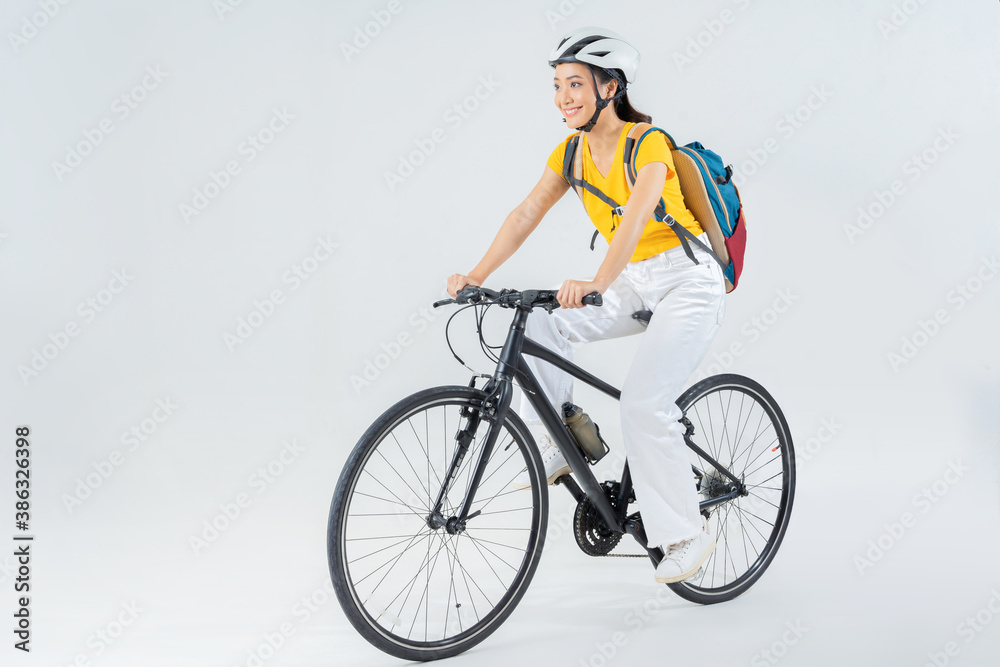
[657,236]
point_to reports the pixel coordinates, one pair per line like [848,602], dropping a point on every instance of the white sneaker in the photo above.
[552,458]
[683,559]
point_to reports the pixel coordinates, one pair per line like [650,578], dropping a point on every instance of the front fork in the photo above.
[493,410]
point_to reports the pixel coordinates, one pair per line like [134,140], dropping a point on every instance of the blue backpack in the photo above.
[708,190]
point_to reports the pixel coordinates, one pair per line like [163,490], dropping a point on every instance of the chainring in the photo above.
[592,535]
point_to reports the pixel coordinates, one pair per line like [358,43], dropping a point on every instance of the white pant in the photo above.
[688,302]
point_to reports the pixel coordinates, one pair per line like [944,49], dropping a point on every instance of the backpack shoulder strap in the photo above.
[635,136]
[643,130]
[578,164]
[572,170]
[571,159]
[630,144]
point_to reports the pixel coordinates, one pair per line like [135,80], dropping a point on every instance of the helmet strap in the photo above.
[601,102]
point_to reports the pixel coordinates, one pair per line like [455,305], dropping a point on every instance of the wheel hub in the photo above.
[454,526]
[713,484]
[436,521]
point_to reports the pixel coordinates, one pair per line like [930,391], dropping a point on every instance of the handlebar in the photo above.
[507,298]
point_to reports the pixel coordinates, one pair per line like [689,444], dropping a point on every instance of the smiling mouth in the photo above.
[571,111]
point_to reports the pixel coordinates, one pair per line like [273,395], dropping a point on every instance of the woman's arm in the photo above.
[642,202]
[516,228]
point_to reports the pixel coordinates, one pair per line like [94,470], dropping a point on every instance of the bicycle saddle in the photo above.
[642,315]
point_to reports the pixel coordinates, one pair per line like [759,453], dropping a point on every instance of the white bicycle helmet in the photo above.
[602,48]
[597,46]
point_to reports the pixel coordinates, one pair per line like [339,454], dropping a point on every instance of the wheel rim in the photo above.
[740,427]
[424,587]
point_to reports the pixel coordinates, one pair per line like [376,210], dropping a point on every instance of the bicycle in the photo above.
[389,524]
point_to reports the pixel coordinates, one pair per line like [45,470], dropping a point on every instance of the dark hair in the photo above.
[623,108]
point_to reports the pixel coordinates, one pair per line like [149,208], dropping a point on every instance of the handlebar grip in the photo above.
[593,299]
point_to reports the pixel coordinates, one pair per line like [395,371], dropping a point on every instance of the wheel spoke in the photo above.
[418,582]
[391,560]
[761,465]
[425,489]
[480,542]
[738,423]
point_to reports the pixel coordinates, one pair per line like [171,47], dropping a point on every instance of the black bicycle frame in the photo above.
[499,391]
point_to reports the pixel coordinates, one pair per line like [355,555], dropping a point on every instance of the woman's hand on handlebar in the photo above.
[457,281]
[571,294]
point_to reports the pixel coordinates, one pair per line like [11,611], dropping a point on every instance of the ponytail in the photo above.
[628,113]
[623,108]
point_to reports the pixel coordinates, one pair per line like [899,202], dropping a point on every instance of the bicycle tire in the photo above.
[339,526]
[697,589]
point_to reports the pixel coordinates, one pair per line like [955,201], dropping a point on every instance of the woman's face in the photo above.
[574,93]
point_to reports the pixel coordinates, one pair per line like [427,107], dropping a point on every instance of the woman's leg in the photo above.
[566,326]
[684,323]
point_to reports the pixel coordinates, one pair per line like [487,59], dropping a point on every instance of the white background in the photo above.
[899,427]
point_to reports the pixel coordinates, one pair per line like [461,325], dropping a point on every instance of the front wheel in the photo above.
[735,420]
[414,582]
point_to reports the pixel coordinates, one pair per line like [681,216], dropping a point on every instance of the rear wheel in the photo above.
[419,586]
[737,422]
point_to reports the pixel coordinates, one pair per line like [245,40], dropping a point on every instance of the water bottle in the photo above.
[585,432]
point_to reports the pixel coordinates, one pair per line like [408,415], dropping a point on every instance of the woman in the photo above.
[645,268]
